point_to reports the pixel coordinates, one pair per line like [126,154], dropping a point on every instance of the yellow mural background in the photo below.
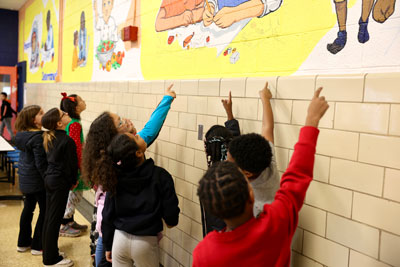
[276,44]
[31,11]
[72,18]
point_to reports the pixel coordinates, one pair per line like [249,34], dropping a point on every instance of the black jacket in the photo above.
[32,162]
[62,170]
[144,196]
[9,110]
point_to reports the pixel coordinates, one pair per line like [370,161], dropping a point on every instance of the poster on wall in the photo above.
[41,24]
[77,41]
[113,58]
[222,38]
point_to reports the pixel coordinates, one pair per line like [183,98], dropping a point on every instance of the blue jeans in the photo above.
[99,250]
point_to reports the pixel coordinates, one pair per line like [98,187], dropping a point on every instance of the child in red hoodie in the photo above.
[226,193]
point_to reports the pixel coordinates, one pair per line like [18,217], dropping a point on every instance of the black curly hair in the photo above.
[224,190]
[120,156]
[216,141]
[69,106]
[101,132]
[251,153]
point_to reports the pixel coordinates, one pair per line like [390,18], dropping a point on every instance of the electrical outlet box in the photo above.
[200,132]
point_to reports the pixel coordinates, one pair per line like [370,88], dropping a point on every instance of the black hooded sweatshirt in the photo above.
[144,196]
[62,170]
[32,163]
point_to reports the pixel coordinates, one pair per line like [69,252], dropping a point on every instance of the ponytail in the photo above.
[48,137]
[49,121]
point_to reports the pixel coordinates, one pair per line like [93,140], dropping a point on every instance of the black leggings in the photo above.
[56,201]
[25,223]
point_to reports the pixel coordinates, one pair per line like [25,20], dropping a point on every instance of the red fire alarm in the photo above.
[129,33]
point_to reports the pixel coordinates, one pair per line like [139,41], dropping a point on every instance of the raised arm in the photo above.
[232,124]
[295,181]
[267,130]
[152,128]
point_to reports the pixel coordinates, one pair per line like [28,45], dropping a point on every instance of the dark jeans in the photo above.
[56,201]
[25,222]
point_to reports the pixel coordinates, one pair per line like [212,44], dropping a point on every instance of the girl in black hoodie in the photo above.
[61,176]
[32,165]
[140,197]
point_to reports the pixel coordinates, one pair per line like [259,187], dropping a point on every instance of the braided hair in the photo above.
[216,143]
[223,190]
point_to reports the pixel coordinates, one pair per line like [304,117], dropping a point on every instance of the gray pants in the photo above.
[131,250]
[6,122]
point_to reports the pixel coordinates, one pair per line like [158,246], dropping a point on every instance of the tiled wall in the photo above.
[351,215]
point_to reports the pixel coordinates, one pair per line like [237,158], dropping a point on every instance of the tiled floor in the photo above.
[76,249]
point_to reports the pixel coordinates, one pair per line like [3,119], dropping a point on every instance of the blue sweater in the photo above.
[152,128]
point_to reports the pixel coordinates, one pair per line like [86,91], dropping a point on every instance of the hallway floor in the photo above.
[76,249]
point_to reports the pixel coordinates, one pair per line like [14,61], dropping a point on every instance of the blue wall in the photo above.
[8,37]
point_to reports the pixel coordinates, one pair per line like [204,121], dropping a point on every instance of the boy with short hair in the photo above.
[6,115]
[254,154]
[226,193]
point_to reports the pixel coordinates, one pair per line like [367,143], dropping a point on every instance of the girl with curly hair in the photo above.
[103,129]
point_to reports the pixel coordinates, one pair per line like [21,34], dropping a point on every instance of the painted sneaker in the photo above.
[63,263]
[77,226]
[23,249]
[363,35]
[339,43]
[36,252]
[68,231]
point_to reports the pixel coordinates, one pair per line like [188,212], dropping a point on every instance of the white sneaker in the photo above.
[63,263]
[23,249]
[36,252]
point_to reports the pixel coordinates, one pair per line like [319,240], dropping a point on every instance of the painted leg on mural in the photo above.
[339,43]
[363,34]
[383,9]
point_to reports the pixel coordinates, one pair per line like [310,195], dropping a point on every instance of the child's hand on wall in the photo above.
[265,93]
[317,108]
[208,15]
[170,92]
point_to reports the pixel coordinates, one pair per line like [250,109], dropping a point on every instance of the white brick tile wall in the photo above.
[354,235]
[377,212]
[325,251]
[351,216]
[330,198]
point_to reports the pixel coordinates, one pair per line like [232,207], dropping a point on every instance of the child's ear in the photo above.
[59,124]
[247,174]
[139,153]
[251,195]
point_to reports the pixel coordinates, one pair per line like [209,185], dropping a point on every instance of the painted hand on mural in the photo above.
[208,15]
[178,13]
[225,17]
[383,9]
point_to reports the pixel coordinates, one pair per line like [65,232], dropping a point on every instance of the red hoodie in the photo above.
[266,241]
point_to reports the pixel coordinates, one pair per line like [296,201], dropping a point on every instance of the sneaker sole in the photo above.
[69,235]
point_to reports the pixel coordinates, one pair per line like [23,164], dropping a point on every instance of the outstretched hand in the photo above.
[265,93]
[227,103]
[317,108]
[170,92]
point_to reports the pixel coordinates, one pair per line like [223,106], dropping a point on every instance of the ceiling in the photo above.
[12,4]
